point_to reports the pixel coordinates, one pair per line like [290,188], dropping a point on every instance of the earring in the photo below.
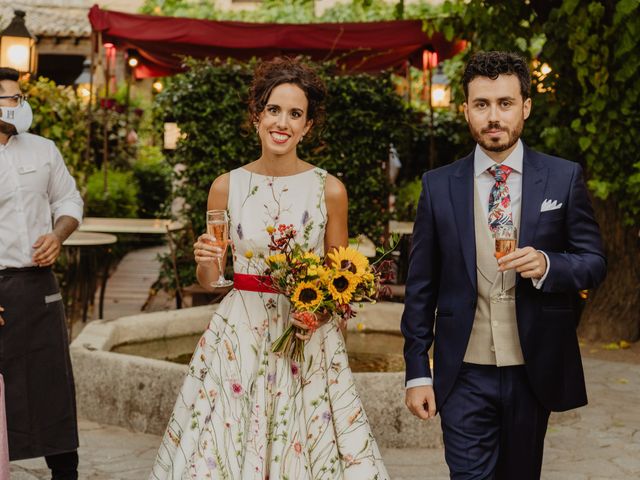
[257,128]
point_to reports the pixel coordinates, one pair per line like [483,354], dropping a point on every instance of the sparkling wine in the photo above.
[219,231]
[504,246]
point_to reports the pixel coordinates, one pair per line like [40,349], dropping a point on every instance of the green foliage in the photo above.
[292,11]
[60,116]
[119,122]
[152,174]
[600,93]
[120,199]
[364,115]
[507,25]
[359,11]
[407,197]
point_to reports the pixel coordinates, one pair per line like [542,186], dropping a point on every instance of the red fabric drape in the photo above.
[162,41]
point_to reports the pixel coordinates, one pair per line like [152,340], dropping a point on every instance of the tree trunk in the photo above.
[612,311]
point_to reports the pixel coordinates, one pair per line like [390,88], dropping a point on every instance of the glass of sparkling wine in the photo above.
[505,239]
[218,228]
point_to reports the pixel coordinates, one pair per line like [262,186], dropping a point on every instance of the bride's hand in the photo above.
[205,252]
[296,320]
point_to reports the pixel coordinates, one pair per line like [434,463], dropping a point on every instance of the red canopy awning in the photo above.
[162,41]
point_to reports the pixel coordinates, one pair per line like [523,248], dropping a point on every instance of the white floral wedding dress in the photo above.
[244,412]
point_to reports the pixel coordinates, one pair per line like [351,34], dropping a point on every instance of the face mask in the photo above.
[20,117]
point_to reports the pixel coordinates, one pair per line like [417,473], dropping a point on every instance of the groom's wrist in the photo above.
[419,382]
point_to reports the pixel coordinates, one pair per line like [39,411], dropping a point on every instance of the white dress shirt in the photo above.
[35,190]
[484,182]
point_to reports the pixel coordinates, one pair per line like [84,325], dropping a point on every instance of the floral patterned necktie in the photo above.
[499,199]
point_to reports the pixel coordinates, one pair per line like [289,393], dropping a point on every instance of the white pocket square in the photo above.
[549,205]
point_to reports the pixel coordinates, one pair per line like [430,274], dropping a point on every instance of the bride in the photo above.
[244,412]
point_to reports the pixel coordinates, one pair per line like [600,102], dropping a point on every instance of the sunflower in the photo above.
[275,259]
[306,296]
[341,285]
[317,271]
[311,256]
[349,259]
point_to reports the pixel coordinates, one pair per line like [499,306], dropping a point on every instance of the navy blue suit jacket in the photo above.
[442,276]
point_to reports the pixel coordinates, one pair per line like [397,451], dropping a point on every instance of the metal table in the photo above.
[82,266]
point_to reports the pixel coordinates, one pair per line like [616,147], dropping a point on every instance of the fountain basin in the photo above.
[139,393]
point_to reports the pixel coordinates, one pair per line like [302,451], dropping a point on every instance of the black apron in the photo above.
[35,363]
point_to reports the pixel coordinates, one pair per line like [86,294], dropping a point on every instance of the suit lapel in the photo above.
[461,193]
[534,182]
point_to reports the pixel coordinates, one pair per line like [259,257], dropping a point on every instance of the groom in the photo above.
[500,367]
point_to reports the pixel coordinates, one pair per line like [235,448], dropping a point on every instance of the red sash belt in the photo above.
[253,283]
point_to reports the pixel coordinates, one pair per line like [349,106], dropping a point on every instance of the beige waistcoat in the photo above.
[494,337]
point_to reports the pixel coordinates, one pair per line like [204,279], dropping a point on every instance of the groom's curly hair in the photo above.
[269,74]
[493,64]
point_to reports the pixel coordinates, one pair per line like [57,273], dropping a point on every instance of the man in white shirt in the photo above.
[505,345]
[39,208]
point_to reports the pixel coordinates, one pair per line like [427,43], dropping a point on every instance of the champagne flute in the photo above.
[218,228]
[505,243]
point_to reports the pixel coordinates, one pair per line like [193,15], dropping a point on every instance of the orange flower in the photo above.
[230,354]
[356,414]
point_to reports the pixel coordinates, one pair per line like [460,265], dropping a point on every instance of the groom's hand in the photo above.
[527,261]
[421,401]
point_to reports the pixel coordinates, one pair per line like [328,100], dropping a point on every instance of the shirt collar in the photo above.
[482,161]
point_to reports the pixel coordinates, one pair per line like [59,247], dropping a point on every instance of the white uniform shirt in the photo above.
[35,187]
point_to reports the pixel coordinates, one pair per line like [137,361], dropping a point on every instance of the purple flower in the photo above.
[211,463]
[305,217]
[326,416]
[239,231]
[271,378]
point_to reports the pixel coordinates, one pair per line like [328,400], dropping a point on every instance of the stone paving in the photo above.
[598,442]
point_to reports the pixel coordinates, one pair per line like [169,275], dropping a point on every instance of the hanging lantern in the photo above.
[440,90]
[18,46]
[133,58]
[83,82]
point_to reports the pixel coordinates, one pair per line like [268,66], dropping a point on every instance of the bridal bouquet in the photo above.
[316,286]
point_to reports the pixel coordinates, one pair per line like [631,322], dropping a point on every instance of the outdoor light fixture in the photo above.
[545,69]
[158,86]
[18,46]
[83,82]
[132,58]
[440,90]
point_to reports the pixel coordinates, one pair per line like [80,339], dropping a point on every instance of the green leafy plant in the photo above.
[152,174]
[293,11]
[407,196]
[120,199]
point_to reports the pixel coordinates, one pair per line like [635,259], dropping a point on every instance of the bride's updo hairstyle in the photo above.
[269,74]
